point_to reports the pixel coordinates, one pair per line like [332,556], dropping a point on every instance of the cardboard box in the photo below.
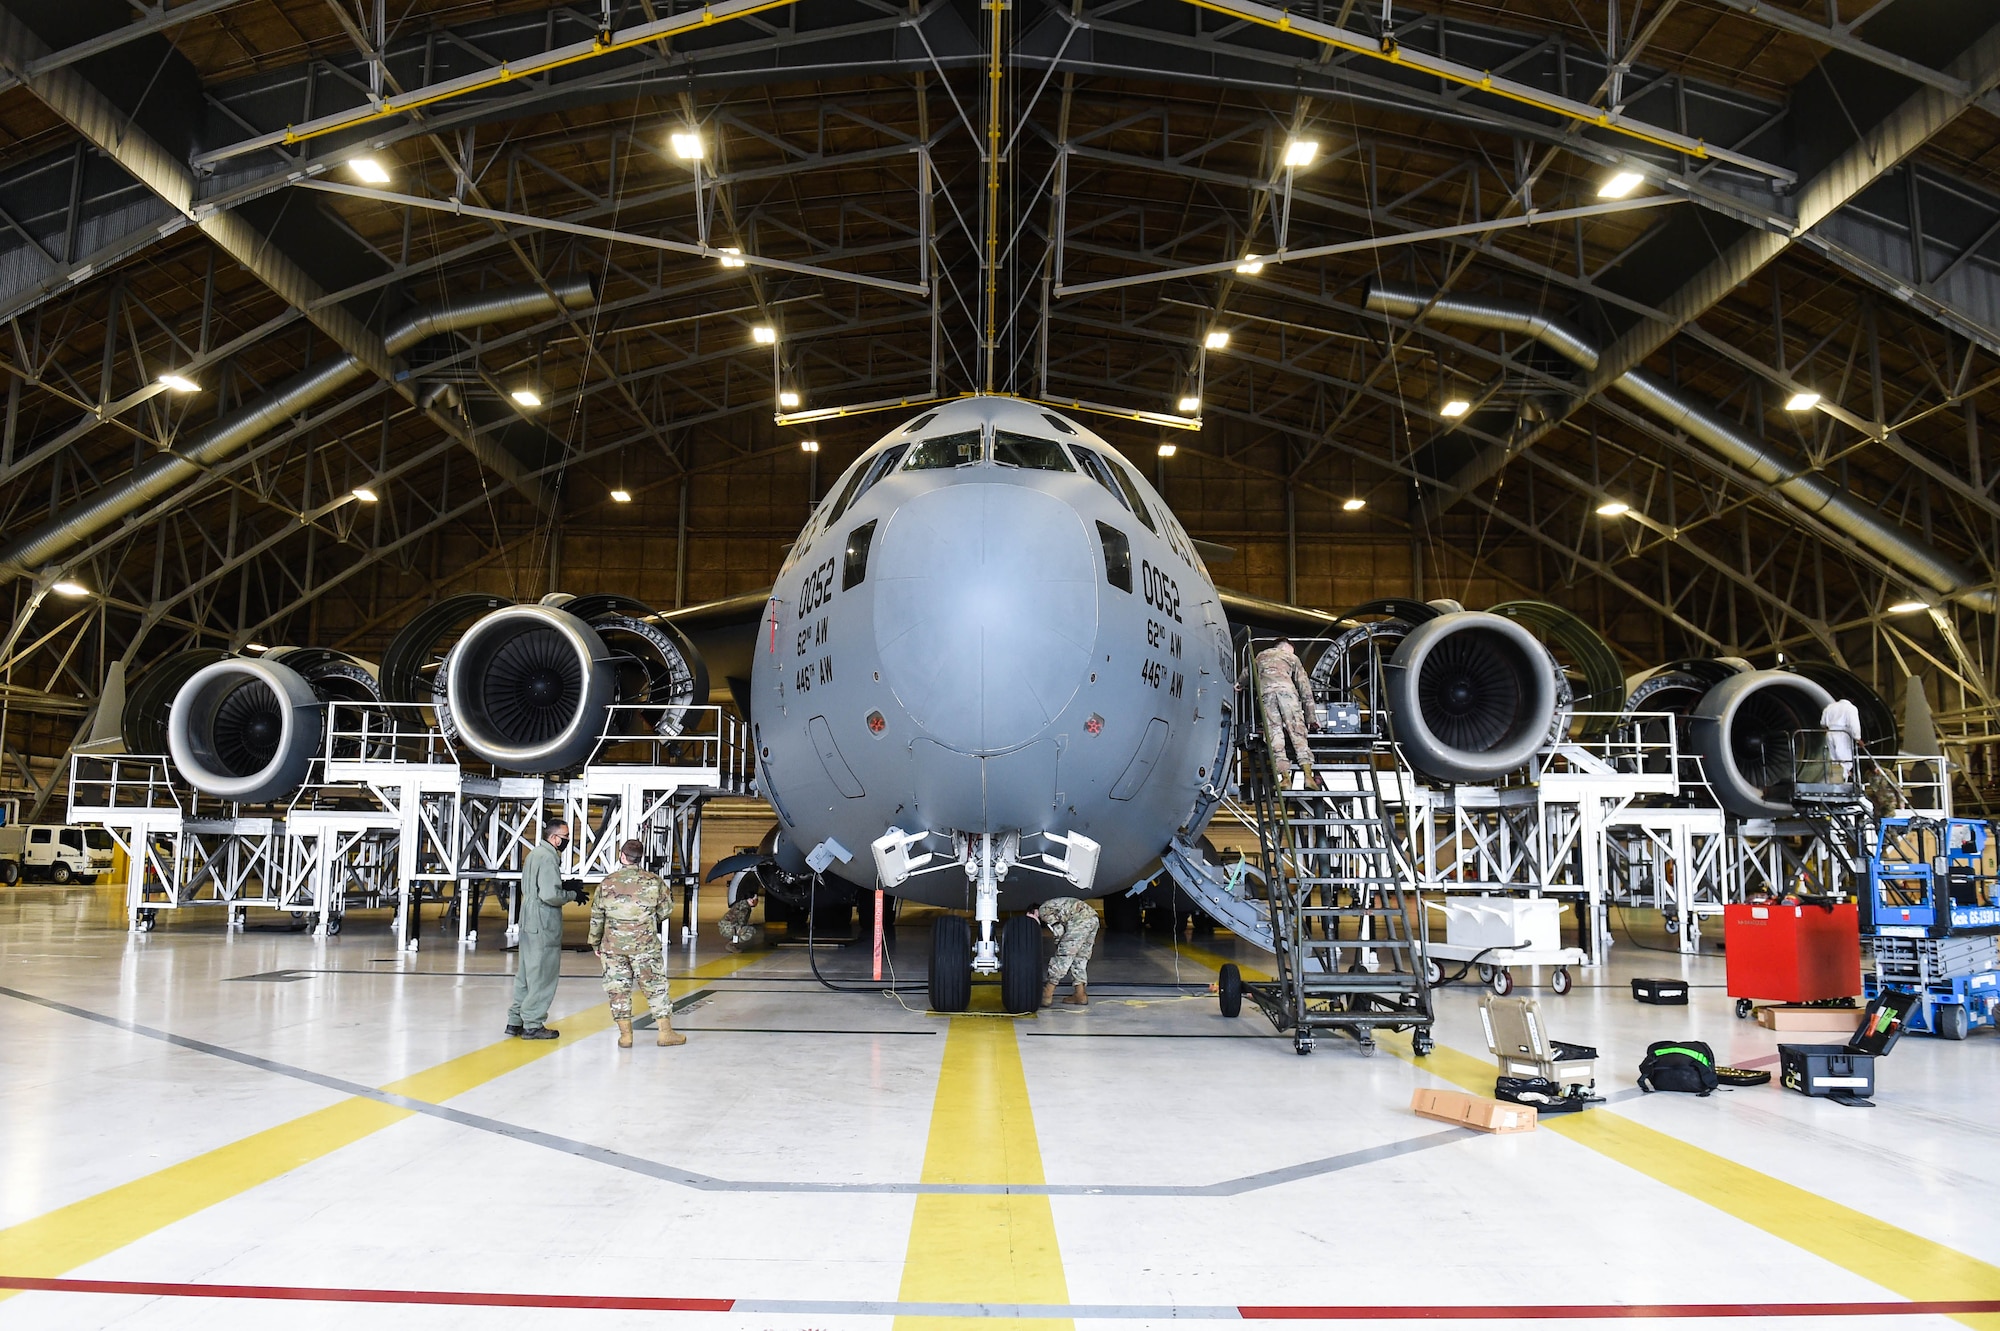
[1473,1111]
[1845,1020]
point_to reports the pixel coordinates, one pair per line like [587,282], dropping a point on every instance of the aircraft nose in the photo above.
[985,612]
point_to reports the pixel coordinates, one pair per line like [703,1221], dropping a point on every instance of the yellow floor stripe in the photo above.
[1914,1267]
[982,1248]
[73,1235]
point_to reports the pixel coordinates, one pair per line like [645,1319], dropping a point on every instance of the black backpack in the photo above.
[1678,1065]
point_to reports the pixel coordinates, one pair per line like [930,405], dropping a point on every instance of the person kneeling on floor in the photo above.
[625,920]
[735,927]
[1075,926]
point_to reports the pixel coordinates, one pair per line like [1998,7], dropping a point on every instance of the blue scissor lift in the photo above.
[1932,917]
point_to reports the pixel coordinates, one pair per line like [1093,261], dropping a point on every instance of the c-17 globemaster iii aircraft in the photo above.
[993,661]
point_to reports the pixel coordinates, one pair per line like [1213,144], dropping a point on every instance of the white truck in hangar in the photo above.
[53,852]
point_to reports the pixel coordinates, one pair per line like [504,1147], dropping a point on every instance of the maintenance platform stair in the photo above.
[1331,896]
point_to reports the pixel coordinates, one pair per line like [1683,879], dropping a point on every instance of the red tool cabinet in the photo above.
[1792,954]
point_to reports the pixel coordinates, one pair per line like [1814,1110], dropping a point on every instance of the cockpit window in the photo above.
[945,450]
[1100,471]
[1117,556]
[865,476]
[920,422]
[855,567]
[1058,422]
[1024,450]
[848,493]
[1132,497]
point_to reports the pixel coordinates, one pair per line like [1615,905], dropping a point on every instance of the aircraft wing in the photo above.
[725,633]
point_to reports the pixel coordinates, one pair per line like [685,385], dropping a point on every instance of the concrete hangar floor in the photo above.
[200,1129]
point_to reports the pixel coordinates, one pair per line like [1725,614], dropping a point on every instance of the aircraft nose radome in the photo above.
[985,612]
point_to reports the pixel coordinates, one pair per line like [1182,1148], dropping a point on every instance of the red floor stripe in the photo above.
[1249,1312]
[1573,1311]
[316,1294]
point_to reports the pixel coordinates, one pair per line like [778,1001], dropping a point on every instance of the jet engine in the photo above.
[1471,695]
[1743,728]
[245,729]
[529,687]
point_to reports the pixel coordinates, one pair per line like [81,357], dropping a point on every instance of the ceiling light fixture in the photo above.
[365,495]
[1300,152]
[68,588]
[687,144]
[255,647]
[763,335]
[1612,508]
[1455,408]
[621,496]
[1216,340]
[1620,185]
[809,445]
[1353,505]
[1908,607]
[787,399]
[1168,450]
[1251,265]
[1188,406]
[526,397]
[732,257]
[180,383]
[370,171]
[1802,402]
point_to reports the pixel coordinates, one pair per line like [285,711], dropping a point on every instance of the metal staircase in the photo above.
[1333,897]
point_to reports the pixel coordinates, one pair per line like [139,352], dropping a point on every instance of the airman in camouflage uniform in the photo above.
[1285,690]
[625,919]
[1075,926]
[735,926]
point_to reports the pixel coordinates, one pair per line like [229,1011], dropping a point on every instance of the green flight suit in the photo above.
[539,962]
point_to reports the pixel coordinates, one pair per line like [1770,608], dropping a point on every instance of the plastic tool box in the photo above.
[1661,993]
[1791,954]
[1846,1072]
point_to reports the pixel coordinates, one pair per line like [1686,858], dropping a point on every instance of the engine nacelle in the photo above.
[1471,696]
[245,730]
[1743,732]
[529,688]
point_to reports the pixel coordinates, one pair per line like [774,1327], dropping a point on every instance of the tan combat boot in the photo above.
[1049,994]
[668,1035]
[1079,996]
[624,1032]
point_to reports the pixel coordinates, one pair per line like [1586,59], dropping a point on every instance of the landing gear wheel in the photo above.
[951,964]
[62,873]
[1421,1043]
[1742,1008]
[1560,981]
[1020,965]
[1229,990]
[1953,1021]
[1503,981]
[1302,1043]
[1433,972]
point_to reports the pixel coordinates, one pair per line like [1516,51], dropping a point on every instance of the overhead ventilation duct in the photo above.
[161,474]
[529,688]
[245,730]
[1809,491]
[1471,696]
[1745,730]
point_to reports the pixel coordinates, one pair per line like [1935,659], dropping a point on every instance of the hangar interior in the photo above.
[1597,393]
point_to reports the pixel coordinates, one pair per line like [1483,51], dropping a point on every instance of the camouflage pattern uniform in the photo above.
[736,927]
[1285,690]
[1075,926]
[625,919]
